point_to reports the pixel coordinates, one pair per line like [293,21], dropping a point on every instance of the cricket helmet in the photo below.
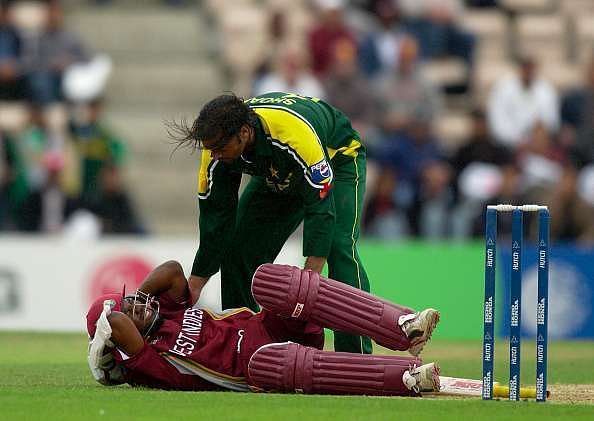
[114,301]
[140,302]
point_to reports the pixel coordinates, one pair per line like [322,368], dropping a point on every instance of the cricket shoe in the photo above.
[419,329]
[424,378]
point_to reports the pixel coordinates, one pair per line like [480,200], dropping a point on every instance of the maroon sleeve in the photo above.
[148,368]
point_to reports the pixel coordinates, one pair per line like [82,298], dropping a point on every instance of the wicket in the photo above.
[516,299]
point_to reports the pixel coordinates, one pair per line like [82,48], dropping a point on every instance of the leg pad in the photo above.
[305,295]
[289,367]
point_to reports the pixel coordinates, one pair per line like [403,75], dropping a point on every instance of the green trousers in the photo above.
[265,220]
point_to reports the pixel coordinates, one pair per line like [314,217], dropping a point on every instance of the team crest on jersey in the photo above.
[276,184]
[320,172]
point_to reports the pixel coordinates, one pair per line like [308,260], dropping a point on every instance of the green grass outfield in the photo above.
[45,377]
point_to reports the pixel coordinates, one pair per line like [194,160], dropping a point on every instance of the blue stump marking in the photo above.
[542,304]
[489,303]
[515,306]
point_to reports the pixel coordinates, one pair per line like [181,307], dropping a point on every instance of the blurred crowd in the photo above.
[528,142]
[60,165]
[526,139]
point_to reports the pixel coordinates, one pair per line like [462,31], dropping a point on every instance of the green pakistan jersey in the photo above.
[300,145]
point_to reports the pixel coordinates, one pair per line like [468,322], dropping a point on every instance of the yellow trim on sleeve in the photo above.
[288,129]
[205,174]
[350,150]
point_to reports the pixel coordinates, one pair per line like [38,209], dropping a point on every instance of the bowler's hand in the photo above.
[315,263]
[195,285]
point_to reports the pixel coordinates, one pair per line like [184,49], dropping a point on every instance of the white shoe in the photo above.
[422,379]
[419,329]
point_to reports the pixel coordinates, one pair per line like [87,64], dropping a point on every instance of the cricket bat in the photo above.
[453,386]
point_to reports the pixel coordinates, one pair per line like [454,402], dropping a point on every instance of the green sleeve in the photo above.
[217,220]
[318,222]
[117,148]
[18,186]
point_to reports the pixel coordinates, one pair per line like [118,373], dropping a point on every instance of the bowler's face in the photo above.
[227,153]
[230,149]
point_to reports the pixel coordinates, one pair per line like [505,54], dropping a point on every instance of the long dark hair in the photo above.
[221,118]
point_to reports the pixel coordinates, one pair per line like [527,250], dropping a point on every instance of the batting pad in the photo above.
[305,295]
[290,367]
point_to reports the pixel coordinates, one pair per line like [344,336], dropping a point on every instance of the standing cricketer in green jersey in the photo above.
[307,164]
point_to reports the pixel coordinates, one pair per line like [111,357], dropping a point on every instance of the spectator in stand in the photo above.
[383,218]
[14,181]
[434,24]
[509,190]
[31,156]
[47,207]
[113,205]
[348,90]
[541,161]
[405,96]
[330,29]
[291,74]
[407,106]
[12,84]
[519,101]
[378,52]
[480,147]
[479,166]
[422,178]
[172,3]
[548,177]
[32,144]
[277,39]
[3,181]
[577,116]
[48,54]
[98,147]
[571,210]
[482,3]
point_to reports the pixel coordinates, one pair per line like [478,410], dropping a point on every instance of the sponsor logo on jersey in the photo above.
[187,339]
[320,172]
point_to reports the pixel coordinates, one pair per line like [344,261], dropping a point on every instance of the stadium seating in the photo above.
[491,28]
[585,37]
[168,61]
[529,6]
[454,128]
[576,7]
[163,69]
[543,37]
[445,72]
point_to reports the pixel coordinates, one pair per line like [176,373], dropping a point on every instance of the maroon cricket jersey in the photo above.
[195,349]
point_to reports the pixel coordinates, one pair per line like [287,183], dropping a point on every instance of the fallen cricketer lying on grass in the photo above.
[156,338]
